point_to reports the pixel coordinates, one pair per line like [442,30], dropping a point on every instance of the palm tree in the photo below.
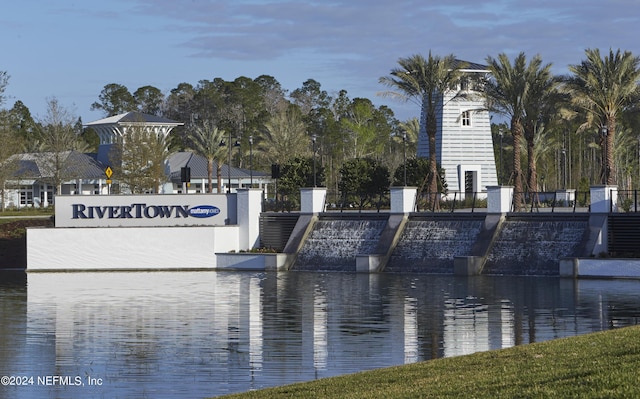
[507,93]
[604,87]
[285,136]
[158,152]
[425,81]
[539,110]
[206,140]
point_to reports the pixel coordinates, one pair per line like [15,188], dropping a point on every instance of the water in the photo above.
[429,246]
[202,334]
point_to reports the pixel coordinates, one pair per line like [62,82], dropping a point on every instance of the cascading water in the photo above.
[535,247]
[334,244]
[429,246]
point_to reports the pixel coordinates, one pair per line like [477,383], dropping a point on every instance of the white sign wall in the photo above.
[145,210]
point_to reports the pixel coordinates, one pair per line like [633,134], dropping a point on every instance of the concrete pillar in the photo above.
[312,199]
[604,199]
[565,197]
[403,199]
[249,208]
[499,199]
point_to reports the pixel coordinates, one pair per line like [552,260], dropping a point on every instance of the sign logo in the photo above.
[204,211]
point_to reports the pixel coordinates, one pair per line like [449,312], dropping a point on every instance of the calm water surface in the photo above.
[202,334]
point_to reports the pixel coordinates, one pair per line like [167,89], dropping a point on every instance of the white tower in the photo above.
[464,146]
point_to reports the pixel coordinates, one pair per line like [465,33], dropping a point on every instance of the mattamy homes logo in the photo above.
[204,211]
[142,211]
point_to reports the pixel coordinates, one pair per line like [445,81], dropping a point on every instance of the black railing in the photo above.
[626,201]
[552,201]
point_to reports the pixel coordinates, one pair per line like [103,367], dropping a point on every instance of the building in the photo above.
[38,174]
[233,178]
[464,146]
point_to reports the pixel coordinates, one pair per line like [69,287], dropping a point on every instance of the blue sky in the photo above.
[70,49]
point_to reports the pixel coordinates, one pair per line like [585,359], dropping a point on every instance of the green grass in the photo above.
[599,365]
[13,216]
[27,212]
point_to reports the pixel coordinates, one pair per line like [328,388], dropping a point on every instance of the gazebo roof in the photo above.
[135,117]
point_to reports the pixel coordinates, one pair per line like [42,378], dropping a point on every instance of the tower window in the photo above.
[464,84]
[465,118]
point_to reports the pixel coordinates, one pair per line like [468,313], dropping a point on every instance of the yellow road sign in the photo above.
[108,172]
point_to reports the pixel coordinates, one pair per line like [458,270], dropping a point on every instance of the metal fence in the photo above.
[626,201]
[552,201]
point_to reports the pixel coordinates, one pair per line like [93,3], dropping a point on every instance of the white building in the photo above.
[464,146]
[232,178]
[35,178]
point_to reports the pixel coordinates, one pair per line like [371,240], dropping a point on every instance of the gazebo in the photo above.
[111,129]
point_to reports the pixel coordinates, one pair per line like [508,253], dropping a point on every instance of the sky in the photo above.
[71,49]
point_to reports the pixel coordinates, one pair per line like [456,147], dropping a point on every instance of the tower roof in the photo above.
[471,66]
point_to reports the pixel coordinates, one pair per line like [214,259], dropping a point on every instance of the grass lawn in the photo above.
[598,365]
[27,212]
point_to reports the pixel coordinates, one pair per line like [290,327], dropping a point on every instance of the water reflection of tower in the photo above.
[320,352]
[472,326]
[410,330]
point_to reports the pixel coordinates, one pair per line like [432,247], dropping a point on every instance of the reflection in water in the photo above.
[199,334]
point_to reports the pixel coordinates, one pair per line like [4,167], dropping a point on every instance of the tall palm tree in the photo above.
[425,81]
[284,136]
[206,140]
[507,93]
[539,110]
[605,86]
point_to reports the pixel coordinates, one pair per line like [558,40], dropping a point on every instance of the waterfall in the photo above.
[429,246]
[334,244]
[535,247]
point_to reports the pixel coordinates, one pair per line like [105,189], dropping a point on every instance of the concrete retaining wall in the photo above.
[600,268]
[128,248]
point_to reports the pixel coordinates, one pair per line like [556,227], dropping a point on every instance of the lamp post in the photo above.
[229,166]
[313,139]
[222,144]
[564,168]
[605,158]
[251,160]
[404,155]
[236,144]
[501,167]
[639,159]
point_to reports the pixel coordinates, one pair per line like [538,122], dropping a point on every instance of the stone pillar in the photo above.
[403,199]
[312,199]
[499,199]
[604,199]
[249,208]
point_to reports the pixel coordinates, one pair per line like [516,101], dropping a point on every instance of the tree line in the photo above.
[564,131]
